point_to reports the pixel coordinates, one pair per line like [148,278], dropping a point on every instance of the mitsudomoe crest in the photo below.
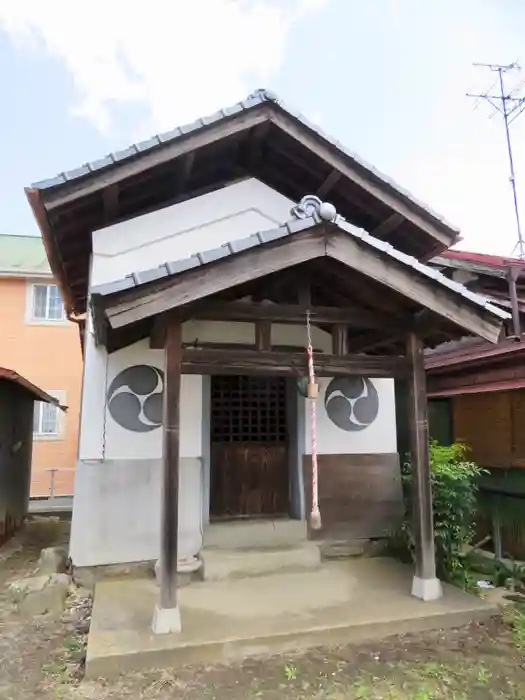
[135,398]
[351,403]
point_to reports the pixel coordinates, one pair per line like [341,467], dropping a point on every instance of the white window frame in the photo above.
[37,434]
[30,310]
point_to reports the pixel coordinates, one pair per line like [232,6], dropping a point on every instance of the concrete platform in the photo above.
[342,602]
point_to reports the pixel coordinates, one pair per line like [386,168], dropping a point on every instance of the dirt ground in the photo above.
[44,659]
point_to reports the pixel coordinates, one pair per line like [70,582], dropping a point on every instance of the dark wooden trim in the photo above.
[240,311]
[34,197]
[388,226]
[330,182]
[360,495]
[110,201]
[513,274]
[381,191]
[232,361]
[263,335]
[420,462]
[157,339]
[409,284]
[95,182]
[170,466]
[207,280]
[340,340]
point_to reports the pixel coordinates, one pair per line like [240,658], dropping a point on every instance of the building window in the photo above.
[47,417]
[47,303]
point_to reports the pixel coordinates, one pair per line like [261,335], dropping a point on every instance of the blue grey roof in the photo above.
[307,214]
[256,98]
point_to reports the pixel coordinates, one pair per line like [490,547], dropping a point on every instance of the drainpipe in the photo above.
[512,275]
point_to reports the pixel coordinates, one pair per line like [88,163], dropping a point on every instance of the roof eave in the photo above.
[34,197]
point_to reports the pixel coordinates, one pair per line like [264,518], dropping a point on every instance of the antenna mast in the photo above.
[510,106]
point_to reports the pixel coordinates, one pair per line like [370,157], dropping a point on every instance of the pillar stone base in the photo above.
[427,588]
[166,620]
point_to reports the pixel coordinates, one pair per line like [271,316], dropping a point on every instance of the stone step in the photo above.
[342,549]
[259,534]
[223,564]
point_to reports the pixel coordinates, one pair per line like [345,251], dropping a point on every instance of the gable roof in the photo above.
[455,303]
[258,97]
[23,256]
[259,137]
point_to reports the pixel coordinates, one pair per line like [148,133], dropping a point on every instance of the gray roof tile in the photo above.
[289,228]
[254,99]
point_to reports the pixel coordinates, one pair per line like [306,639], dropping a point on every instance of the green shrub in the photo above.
[454,493]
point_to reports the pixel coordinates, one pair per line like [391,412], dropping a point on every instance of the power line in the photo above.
[510,105]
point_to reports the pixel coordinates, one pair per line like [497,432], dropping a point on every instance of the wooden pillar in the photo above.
[425,584]
[167,616]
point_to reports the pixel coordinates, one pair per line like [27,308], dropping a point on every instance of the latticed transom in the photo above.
[248,409]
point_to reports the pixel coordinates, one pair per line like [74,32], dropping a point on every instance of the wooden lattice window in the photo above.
[248,409]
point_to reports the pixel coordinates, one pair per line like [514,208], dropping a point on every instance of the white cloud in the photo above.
[177,58]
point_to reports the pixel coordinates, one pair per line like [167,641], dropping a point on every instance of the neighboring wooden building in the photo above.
[39,342]
[198,257]
[18,399]
[477,390]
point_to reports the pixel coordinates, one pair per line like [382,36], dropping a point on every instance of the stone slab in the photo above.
[221,564]
[340,603]
[255,534]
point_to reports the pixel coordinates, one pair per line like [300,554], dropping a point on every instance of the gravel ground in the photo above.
[43,658]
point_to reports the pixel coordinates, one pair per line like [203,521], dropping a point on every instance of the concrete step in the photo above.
[342,549]
[259,534]
[223,564]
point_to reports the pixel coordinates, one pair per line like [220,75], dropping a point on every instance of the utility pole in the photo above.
[510,105]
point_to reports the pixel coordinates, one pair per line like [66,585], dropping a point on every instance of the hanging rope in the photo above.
[315,515]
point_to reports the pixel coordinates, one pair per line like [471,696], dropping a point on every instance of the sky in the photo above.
[388,78]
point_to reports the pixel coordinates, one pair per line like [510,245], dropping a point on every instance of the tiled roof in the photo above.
[23,255]
[307,214]
[255,99]
[481,258]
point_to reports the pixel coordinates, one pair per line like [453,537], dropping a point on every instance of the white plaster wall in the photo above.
[117,511]
[179,231]
[124,444]
[379,437]
[91,435]
[244,334]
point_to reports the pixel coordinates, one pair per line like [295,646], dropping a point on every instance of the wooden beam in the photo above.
[231,361]
[252,148]
[340,340]
[157,339]
[241,311]
[263,335]
[330,182]
[513,274]
[304,295]
[184,173]
[425,583]
[411,285]
[422,322]
[170,467]
[358,174]
[388,225]
[110,199]
[203,281]
[168,151]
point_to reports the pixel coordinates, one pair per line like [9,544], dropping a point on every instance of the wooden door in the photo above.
[249,451]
